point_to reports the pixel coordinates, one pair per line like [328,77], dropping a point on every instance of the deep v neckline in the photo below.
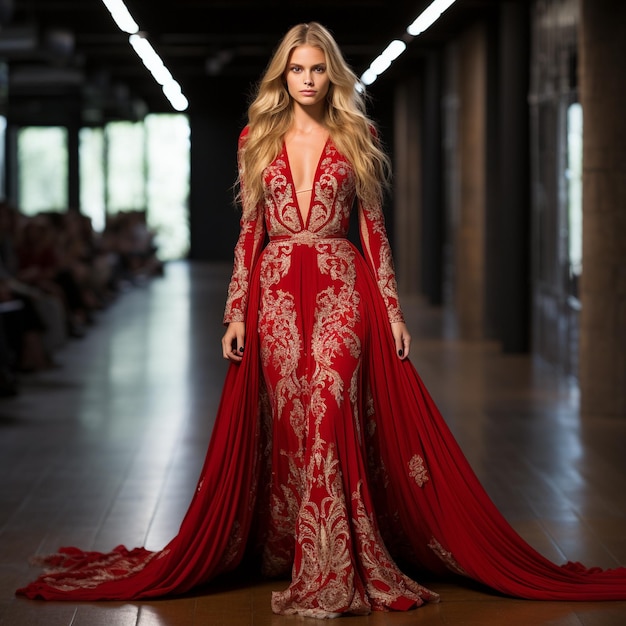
[304,221]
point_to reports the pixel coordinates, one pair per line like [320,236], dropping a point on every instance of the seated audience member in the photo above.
[56,271]
[23,325]
[135,245]
[43,264]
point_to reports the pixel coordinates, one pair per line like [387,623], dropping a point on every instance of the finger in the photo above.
[233,356]
[407,347]
[403,345]
[239,344]
[229,350]
[399,347]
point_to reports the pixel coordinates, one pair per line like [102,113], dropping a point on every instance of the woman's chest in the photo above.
[331,200]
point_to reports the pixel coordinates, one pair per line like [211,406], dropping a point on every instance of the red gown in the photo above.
[328,454]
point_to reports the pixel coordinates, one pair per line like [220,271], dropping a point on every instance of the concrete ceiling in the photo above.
[63,47]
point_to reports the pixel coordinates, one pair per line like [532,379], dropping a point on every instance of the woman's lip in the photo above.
[308,92]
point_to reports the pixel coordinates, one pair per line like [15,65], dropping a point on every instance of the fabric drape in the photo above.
[328,459]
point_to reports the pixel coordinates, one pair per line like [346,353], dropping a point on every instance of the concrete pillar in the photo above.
[602,372]
[407,185]
[213,218]
[73,159]
[510,295]
[432,243]
[469,238]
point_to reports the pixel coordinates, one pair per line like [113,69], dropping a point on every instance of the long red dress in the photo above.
[325,443]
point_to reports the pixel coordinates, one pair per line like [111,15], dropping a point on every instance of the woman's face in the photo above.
[306,75]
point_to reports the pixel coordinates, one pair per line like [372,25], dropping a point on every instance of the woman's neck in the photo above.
[308,120]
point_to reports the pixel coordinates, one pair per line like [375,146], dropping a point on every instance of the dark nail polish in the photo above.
[241,349]
[400,352]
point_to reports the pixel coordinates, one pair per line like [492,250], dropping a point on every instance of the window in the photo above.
[126,165]
[168,144]
[92,176]
[42,169]
[147,168]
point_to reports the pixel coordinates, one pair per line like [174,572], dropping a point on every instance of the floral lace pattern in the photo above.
[327,453]
[311,330]
[446,556]
[329,217]
[417,470]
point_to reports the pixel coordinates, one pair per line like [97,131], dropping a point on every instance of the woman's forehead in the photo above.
[307,55]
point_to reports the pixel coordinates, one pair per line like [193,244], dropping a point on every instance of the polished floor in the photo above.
[106,449]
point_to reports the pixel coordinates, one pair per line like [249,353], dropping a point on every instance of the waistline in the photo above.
[305,237]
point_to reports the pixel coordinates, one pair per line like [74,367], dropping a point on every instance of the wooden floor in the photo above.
[106,449]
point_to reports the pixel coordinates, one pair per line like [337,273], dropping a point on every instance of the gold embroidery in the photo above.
[385,582]
[248,245]
[332,200]
[336,314]
[233,548]
[113,566]
[375,237]
[310,334]
[446,557]
[354,393]
[418,470]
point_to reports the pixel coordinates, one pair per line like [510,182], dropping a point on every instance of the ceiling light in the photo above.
[423,21]
[429,16]
[394,49]
[161,74]
[174,94]
[369,76]
[147,54]
[383,61]
[150,58]
[120,13]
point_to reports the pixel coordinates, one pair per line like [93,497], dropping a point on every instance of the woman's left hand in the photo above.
[402,338]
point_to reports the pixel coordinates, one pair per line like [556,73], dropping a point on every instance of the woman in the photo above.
[323,419]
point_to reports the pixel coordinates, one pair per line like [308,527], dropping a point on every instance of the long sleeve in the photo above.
[378,254]
[247,252]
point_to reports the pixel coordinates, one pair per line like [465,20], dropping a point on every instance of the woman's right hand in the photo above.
[233,341]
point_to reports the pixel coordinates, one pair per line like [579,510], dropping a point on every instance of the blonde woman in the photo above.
[328,458]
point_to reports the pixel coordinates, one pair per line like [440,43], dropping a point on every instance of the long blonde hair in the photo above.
[271,114]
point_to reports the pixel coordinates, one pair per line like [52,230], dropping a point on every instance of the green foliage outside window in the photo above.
[42,169]
[126,166]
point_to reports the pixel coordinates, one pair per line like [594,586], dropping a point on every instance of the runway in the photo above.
[106,448]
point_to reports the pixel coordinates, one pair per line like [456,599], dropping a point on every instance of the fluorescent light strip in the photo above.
[423,21]
[147,54]
[383,61]
[160,73]
[120,13]
[429,16]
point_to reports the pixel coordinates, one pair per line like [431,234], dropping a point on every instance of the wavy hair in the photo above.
[270,116]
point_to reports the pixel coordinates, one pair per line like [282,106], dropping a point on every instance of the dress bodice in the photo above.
[331,201]
[279,217]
